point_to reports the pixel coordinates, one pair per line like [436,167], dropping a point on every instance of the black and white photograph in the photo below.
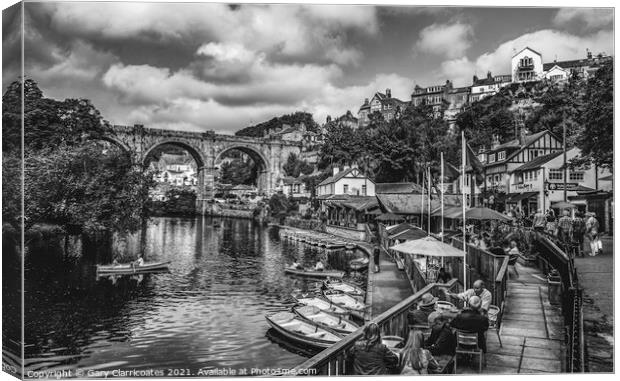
[211,189]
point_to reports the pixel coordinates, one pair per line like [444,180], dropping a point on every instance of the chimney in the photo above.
[388,93]
[335,171]
[495,142]
[354,165]
[365,101]
[475,79]
[522,135]
[489,75]
[346,168]
[588,54]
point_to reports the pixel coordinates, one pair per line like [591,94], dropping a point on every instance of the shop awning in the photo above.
[516,197]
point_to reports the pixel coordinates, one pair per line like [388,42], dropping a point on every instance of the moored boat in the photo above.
[129,269]
[348,302]
[346,287]
[321,303]
[302,331]
[359,263]
[315,274]
[326,320]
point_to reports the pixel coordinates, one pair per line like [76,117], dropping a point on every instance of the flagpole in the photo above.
[422,206]
[463,158]
[429,199]
[441,195]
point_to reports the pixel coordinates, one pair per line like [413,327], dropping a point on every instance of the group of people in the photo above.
[422,356]
[571,231]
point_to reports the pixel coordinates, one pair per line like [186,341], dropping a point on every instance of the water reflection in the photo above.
[208,311]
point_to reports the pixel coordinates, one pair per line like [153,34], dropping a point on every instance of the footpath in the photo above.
[597,278]
[532,330]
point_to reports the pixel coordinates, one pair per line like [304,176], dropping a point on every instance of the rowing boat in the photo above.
[326,320]
[315,274]
[302,331]
[345,287]
[128,269]
[359,263]
[348,302]
[321,303]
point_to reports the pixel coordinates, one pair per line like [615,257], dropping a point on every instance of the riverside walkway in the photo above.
[532,330]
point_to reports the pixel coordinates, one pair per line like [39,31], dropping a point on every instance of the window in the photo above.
[363,190]
[492,158]
[345,188]
[534,154]
[575,176]
[556,174]
[482,158]
[501,155]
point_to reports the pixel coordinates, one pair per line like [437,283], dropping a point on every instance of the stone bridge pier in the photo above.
[207,149]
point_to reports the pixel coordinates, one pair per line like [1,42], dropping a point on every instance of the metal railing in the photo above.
[335,361]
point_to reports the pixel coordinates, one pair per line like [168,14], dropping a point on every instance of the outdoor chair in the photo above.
[467,344]
[424,328]
[495,320]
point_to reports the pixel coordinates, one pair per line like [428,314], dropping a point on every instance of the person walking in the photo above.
[551,224]
[375,257]
[370,356]
[540,221]
[579,231]
[565,229]
[592,227]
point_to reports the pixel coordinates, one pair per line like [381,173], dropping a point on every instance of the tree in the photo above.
[239,171]
[291,167]
[70,177]
[596,139]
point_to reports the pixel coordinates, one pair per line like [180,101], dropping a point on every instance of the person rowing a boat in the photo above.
[319,266]
[137,263]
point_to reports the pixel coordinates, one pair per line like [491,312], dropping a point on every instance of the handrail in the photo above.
[337,351]
[502,270]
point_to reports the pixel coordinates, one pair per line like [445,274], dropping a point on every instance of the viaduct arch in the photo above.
[207,148]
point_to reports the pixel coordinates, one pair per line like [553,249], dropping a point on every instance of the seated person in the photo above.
[319,266]
[443,276]
[472,320]
[417,360]
[479,291]
[425,308]
[296,266]
[442,340]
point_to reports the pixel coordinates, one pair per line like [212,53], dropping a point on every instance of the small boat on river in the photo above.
[359,263]
[326,320]
[315,274]
[130,269]
[342,286]
[354,306]
[321,303]
[302,331]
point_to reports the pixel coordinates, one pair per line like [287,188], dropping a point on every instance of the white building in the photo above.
[527,65]
[483,87]
[349,181]
[541,181]
[293,187]
[174,169]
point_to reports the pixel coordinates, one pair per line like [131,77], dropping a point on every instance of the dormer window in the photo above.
[501,155]
[491,158]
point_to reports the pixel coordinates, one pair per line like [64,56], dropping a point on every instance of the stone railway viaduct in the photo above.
[207,148]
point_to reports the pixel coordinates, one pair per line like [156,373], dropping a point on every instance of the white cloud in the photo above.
[297,31]
[449,40]
[549,43]
[590,18]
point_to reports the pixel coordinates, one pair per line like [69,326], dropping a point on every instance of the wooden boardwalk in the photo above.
[532,330]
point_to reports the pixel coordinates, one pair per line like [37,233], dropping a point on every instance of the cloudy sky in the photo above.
[220,67]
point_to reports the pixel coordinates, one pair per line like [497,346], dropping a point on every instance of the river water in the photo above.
[207,313]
